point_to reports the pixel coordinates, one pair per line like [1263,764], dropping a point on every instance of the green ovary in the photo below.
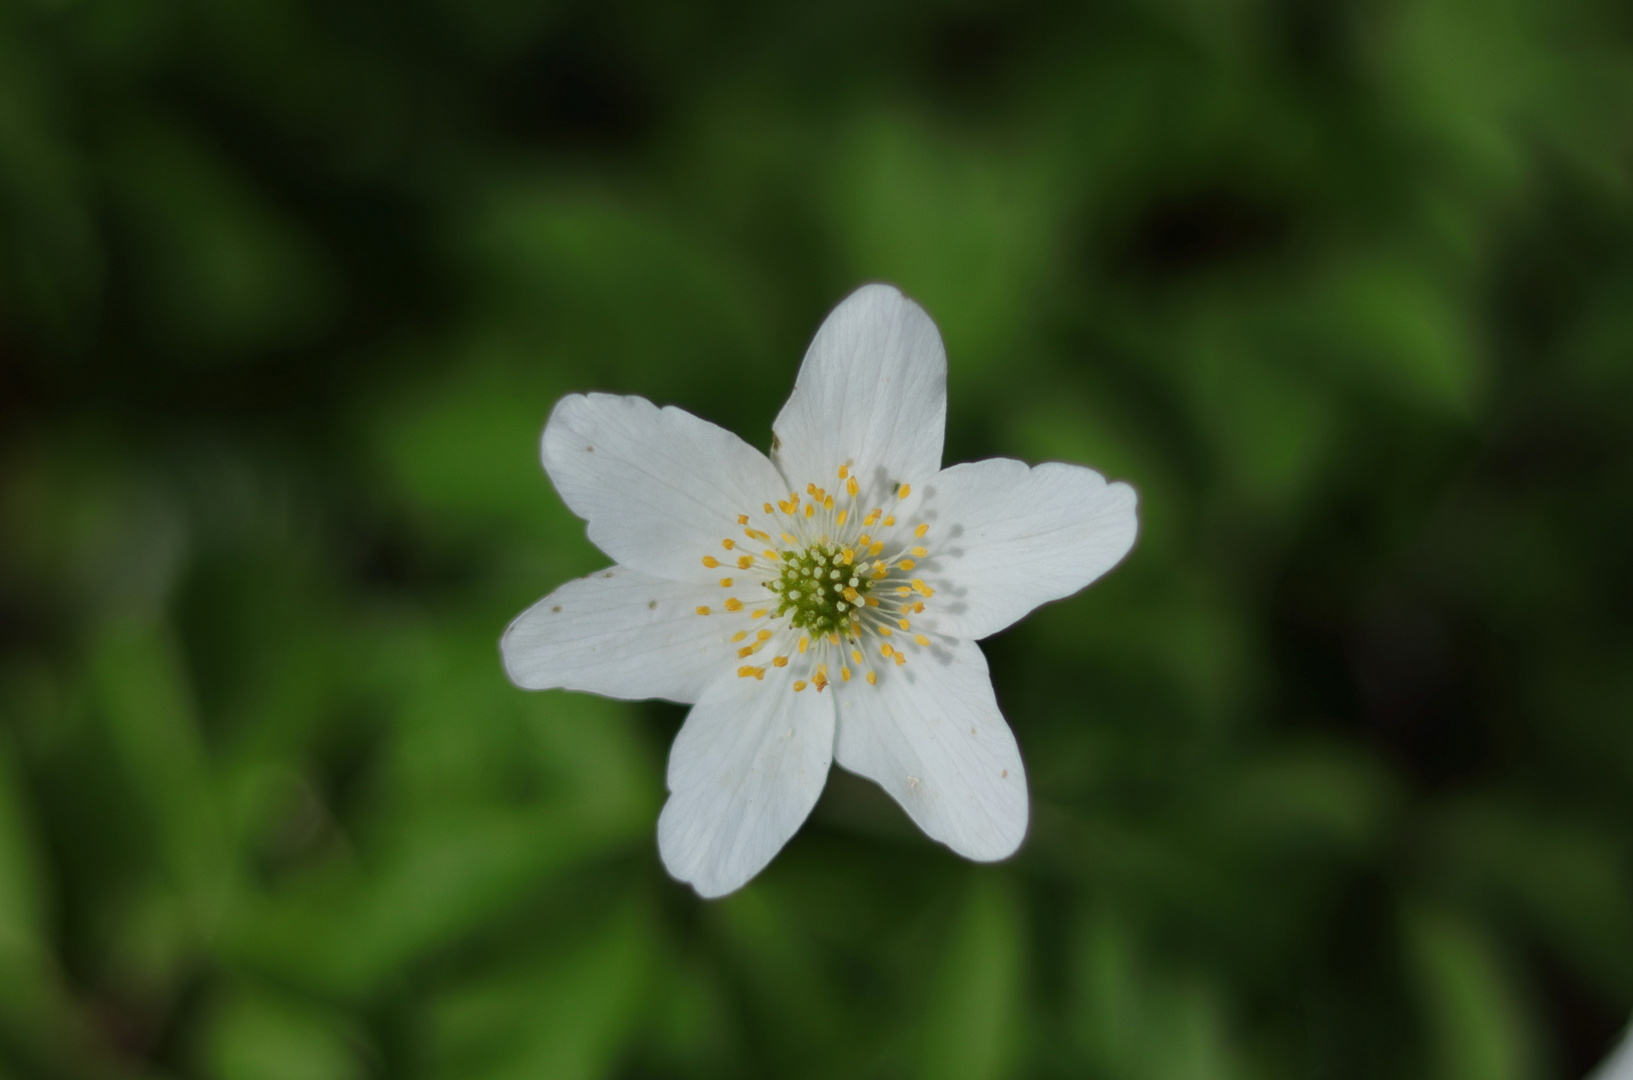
[812,590]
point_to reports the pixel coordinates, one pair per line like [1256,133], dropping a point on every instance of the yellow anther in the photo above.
[746,670]
[907,564]
[742,519]
[710,561]
[785,506]
[768,553]
[728,543]
[889,521]
[851,594]
[918,608]
[744,562]
[820,681]
[833,638]
[725,583]
[886,631]
[852,487]
[904,491]
[746,650]
[803,642]
[810,508]
[873,515]
[919,552]
[850,555]
[885,650]
[873,679]
[763,635]
[756,534]
[704,610]
[740,635]
[843,514]
[900,658]
[876,547]
[779,661]
[845,674]
[922,529]
[920,639]
[788,538]
[856,654]
[903,590]
[768,508]
[827,502]
[798,686]
[904,624]
[844,471]
[762,613]
[864,540]
[734,604]
[871,601]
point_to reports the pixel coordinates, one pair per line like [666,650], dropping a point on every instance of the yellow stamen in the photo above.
[904,491]
[803,642]
[810,508]
[907,564]
[885,650]
[768,508]
[873,515]
[920,639]
[844,471]
[900,658]
[851,594]
[756,534]
[852,487]
[904,624]
[742,519]
[725,583]
[827,502]
[779,661]
[744,562]
[748,669]
[704,610]
[833,638]
[903,590]
[856,654]
[710,561]
[842,515]
[734,604]
[922,529]
[886,631]
[845,674]
[919,552]
[763,635]
[798,686]
[740,635]
[889,521]
[746,650]
[759,614]
[728,543]
[876,547]
[873,680]
[871,601]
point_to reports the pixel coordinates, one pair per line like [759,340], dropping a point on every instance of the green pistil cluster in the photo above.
[818,591]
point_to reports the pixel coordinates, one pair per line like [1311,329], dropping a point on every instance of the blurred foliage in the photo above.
[1331,778]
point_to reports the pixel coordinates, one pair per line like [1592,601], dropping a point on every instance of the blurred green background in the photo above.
[1330,779]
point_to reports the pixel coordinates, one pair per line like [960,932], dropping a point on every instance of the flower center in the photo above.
[820,589]
[842,580]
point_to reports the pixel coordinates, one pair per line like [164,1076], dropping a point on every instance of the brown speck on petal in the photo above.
[556,609]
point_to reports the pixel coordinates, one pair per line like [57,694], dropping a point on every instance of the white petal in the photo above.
[1005,538]
[744,772]
[620,633]
[660,488]
[871,394]
[931,735]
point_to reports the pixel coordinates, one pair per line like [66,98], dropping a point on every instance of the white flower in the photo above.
[819,605]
